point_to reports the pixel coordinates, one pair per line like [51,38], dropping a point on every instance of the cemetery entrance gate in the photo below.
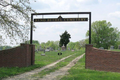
[60,19]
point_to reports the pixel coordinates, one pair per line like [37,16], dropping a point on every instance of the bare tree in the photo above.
[15,19]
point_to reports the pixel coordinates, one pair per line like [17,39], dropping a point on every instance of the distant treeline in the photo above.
[5,47]
[55,44]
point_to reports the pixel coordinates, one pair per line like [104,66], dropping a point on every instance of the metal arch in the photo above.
[31,31]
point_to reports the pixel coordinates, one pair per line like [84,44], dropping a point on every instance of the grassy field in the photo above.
[51,57]
[78,72]
[59,65]
[40,61]
[116,50]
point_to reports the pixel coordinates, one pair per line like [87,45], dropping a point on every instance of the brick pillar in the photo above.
[27,54]
[88,49]
[32,47]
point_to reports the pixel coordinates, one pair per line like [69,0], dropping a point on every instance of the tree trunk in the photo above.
[65,46]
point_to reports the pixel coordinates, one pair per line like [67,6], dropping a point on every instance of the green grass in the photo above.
[58,65]
[50,57]
[40,61]
[115,50]
[6,72]
[78,72]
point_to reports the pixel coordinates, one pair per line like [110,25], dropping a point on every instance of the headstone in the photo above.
[40,49]
[55,50]
[42,54]
[111,47]
[63,48]
[44,49]
[51,49]
[36,50]
[58,48]
[72,50]
[47,50]
[119,47]
[68,48]
[101,48]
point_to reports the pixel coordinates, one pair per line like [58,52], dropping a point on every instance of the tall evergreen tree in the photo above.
[64,39]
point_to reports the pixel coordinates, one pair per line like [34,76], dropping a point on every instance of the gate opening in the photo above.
[60,19]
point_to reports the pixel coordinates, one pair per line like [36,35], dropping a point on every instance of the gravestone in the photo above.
[36,50]
[40,48]
[68,48]
[47,50]
[119,47]
[56,50]
[42,54]
[50,48]
[101,48]
[72,50]
[44,49]
[111,47]
[63,48]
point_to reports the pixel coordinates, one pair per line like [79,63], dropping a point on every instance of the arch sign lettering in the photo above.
[60,19]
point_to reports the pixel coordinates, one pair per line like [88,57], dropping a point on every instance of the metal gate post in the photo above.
[90,28]
[31,30]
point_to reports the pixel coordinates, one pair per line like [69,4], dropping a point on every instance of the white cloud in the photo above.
[81,0]
[118,4]
[115,14]
[51,31]
[53,28]
[89,1]
[48,29]
[99,1]
[56,4]
[74,31]
[64,5]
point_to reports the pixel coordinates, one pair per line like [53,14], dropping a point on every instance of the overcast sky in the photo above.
[108,10]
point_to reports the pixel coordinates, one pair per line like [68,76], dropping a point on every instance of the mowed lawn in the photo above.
[51,57]
[115,50]
[78,72]
[58,65]
[40,61]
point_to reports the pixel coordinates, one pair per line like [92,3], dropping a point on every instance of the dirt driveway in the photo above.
[52,76]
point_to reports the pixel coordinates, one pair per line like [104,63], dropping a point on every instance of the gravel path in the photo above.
[35,71]
[58,74]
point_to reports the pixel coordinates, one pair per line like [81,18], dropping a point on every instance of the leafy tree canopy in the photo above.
[103,35]
[5,47]
[35,42]
[53,44]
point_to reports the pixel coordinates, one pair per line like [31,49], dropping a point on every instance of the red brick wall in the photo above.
[103,60]
[21,56]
